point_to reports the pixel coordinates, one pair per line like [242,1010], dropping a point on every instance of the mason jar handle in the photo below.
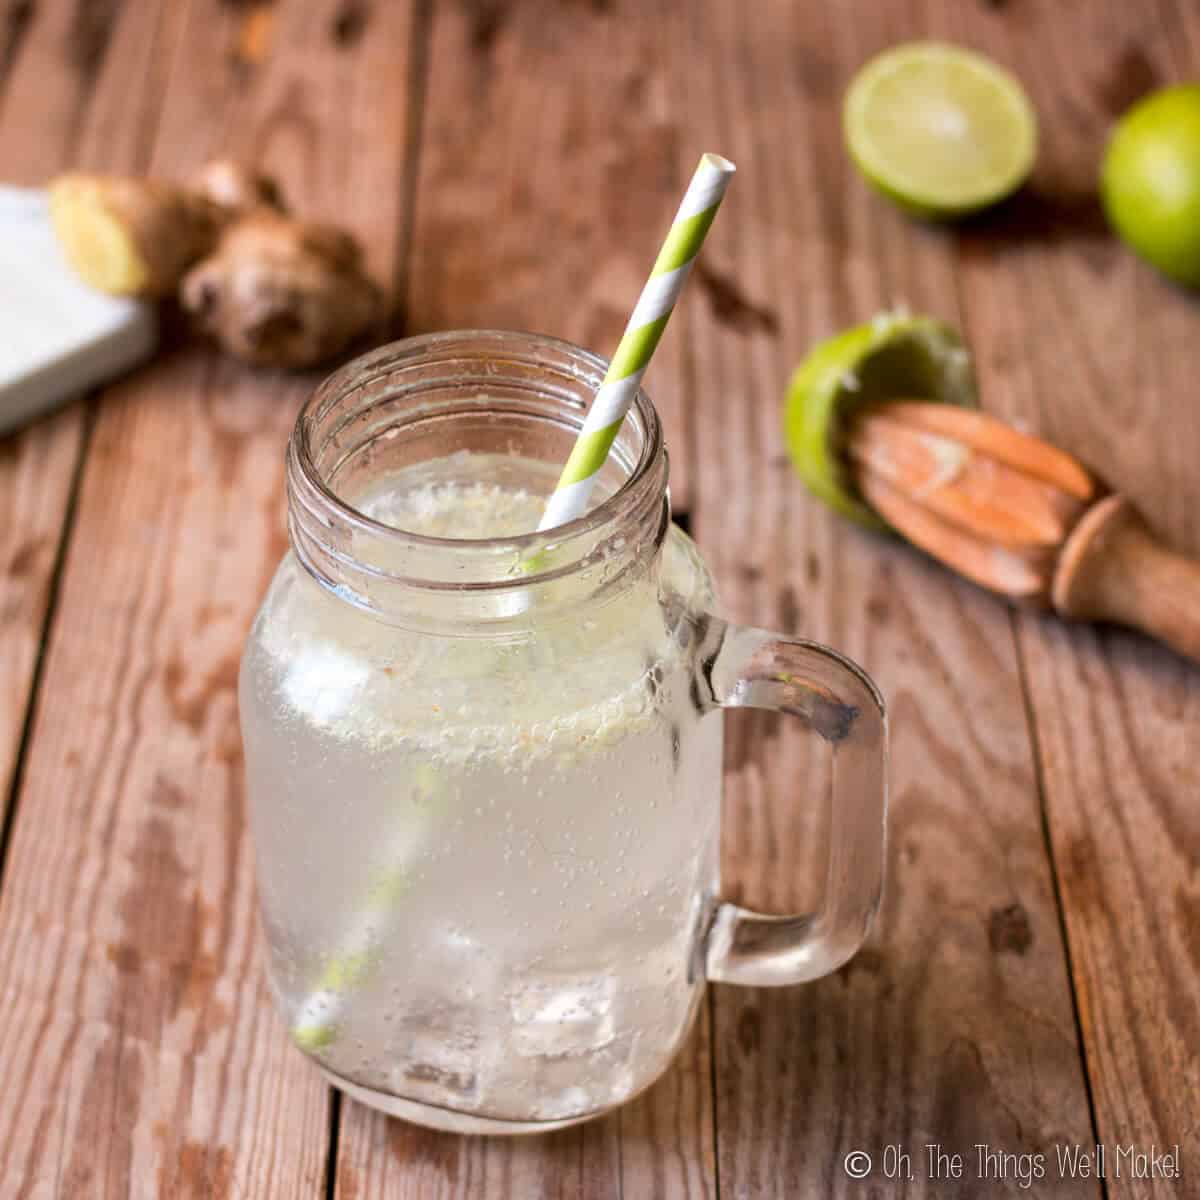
[750,668]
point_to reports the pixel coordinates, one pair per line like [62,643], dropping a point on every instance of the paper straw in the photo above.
[650,315]
[318,1020]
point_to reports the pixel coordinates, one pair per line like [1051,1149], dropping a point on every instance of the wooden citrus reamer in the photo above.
[1019,516]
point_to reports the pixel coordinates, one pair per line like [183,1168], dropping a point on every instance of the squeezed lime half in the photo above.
[940,130]
[892,357]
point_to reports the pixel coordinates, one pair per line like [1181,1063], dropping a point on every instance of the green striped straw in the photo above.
[318,1021]
[654,307]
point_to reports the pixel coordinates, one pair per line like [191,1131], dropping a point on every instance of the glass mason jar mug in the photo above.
[484,764]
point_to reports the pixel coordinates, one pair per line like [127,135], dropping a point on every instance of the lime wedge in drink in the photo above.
[940,130]
[893,357]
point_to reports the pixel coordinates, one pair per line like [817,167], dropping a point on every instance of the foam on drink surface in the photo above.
[425,502]
[508,700]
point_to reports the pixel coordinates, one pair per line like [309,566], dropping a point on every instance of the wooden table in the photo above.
[1034,977]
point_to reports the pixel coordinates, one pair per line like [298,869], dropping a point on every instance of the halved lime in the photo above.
[940,130]
[893,357]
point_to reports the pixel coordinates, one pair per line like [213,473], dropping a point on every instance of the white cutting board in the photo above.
[58,338]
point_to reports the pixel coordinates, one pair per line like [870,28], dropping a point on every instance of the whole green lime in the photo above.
[1150,181]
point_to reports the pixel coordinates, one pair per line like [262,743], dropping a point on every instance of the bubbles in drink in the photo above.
[495,857]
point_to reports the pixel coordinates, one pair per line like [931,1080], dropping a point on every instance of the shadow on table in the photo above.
[1039,214]
[582,1161]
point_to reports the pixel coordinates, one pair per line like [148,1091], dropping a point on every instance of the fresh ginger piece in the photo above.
[98,244]
[282,292]
[131,237]
[234,186]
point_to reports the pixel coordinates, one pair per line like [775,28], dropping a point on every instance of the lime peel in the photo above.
[1150,181]
[893,356]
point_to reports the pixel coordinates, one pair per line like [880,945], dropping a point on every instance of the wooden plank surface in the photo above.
[139,1034]
[1082,342]
[1043,827]
[64,98]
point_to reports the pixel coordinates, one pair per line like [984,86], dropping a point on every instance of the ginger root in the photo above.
[131,237]
[270,288]
[236,188]
[282,292]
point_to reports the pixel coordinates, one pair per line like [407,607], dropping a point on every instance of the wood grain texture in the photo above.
[138,1053]
[1087,346]
[381,1159]
[955,1024]
[36,470]
[54,111]
[138,1030]
[1113,569]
